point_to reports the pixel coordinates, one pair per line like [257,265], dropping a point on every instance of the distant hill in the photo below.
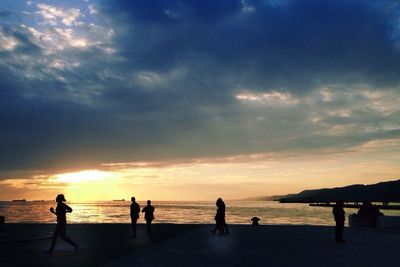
[380,192]
[267,198]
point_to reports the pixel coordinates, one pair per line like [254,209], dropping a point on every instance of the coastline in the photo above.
[194,245]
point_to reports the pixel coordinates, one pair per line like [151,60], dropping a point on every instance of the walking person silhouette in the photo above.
[223,218]
[220,223]
[135,211]
[60,212]
[149,217]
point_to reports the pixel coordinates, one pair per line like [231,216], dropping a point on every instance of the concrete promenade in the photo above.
[271,246]
[194,245]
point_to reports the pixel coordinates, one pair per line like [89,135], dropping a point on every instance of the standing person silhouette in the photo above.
[223,218]
[339,215]
[149,217]
[60,212]
[135,211]
[220,223]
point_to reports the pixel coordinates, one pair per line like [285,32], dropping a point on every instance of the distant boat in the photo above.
[119,200]
[19,200]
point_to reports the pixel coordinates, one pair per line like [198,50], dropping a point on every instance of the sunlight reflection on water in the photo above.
[198,212]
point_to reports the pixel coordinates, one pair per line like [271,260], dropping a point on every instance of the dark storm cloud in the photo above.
[294,46]
[4,14]
[168,88]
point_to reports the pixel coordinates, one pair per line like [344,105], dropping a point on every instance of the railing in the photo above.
[356,205]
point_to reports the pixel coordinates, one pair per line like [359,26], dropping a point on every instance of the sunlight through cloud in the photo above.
[76,177]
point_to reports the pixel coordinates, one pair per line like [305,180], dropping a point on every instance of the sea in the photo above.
[177,212]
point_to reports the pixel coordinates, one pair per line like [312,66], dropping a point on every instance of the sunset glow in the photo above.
[77,177]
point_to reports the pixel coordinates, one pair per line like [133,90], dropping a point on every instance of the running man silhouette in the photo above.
[60,212]
[135,211]
[149,217]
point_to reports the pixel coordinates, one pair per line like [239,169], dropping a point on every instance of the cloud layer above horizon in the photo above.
[94,82]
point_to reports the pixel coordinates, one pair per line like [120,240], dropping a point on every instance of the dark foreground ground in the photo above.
[23,244]
[194,245]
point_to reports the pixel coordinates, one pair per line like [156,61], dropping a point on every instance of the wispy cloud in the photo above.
[53,15]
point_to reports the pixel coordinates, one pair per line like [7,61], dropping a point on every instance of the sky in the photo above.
[195,100]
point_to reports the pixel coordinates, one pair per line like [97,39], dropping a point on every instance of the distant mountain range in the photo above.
[380,192]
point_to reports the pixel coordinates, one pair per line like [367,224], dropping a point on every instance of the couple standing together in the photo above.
[148,216]
[220,223]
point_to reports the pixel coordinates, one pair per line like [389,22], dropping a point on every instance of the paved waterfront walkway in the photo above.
[271,246]
[25,244]
[194,245]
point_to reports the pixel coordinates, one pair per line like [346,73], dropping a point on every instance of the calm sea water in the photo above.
[198,212]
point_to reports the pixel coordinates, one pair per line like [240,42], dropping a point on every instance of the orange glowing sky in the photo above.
[233,178]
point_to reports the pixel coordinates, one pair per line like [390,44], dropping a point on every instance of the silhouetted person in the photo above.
[60,212]
[368,214]
[217,216]
[365,209]
[149,217]
[135,211]
[339,215]
[255,220]
[223,218]
[220,223]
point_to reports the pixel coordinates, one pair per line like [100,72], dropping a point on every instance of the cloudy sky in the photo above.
[197,99]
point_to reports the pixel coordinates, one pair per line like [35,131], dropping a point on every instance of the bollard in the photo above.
[2,221]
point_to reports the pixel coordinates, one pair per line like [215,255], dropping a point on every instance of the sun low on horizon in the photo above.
[172,100]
